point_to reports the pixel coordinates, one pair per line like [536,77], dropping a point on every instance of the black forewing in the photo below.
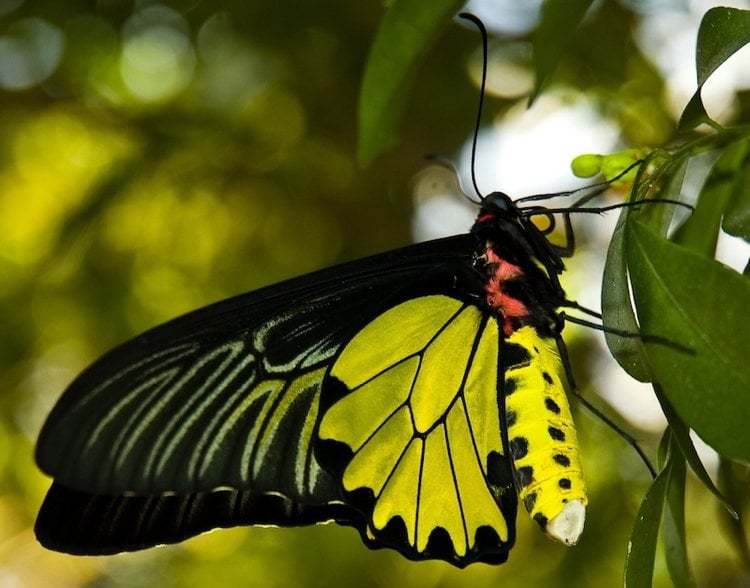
[227,396]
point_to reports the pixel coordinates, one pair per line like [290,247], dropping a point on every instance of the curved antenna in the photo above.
[447,163]
[483,32]
[539,210]
[597,188]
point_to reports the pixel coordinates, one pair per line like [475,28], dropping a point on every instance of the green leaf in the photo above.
[406,31]
[737,214]
[617,307]
[694,113]
[639,561]
[734,479]
[681,436]
[700,231]
[674,537]
[722,32]
[703,306]
[659,216]
[558,21]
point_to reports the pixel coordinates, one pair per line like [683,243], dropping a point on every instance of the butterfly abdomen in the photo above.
[541,436]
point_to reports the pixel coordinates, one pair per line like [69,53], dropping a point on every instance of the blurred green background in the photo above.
[158,156]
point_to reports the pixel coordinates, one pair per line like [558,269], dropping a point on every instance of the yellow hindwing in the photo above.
[423,424]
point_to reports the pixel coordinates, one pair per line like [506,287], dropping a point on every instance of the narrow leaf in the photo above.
[734,479]
[558,21]
[700,232]
[737,214]
[722,32]
[406,31]
[659,216]
[617,307]
[639,561]
[702,307]
[694,113]
[674,537]
[681,436]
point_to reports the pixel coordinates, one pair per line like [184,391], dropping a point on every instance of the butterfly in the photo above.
[417,396]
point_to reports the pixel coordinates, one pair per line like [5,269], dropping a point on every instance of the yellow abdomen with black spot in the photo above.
[541,436]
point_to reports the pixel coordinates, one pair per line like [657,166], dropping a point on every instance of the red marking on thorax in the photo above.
[506,306]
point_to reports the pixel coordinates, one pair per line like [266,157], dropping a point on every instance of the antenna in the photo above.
[483,32]
[596,189]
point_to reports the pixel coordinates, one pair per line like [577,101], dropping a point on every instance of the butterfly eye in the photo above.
[498,202]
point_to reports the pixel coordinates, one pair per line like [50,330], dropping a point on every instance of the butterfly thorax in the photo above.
[519,267]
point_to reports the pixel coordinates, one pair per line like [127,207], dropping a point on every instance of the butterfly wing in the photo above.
[226,398]
[82,523]
[412,426]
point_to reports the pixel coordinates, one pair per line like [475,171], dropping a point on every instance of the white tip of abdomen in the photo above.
[568,525]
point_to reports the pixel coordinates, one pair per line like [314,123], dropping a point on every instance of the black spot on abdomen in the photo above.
[519,447]
[556,434]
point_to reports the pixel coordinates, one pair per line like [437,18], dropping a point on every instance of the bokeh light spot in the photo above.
[30,51]
[157,60]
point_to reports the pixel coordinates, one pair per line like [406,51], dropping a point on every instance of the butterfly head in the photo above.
[497,206]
